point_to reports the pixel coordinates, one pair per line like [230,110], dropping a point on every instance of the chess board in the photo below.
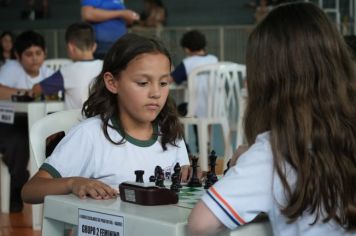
[189,196]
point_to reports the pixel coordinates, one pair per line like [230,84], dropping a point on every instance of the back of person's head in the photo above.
[81,35]
[194,40]
[301,86]
[28,39]
[105,104]
[351,43]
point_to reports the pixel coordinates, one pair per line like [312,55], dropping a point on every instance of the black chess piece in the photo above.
[152,178]
[227,166]
[139,176]
[159,176]
[194,180]
[175,183]
[177,170]
[212,163]
[208,181]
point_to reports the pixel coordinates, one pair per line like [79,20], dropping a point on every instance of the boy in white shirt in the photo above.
[17,76]
[74,79]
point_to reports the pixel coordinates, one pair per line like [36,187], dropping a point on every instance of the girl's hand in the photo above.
[83,187]
[238,152]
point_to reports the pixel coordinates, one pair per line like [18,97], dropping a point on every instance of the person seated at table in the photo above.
[74,79]
[300,125]
[19,76]
[193,43]
[131,125]
[16,76]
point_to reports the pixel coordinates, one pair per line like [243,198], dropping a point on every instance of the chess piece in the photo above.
[227,166]
[212,163]
[139,176]
[177,170]
[159,177]
[175,183]
[152,178]
[194,180]
[209,180]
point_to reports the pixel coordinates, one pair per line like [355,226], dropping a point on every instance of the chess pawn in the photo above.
[152,178]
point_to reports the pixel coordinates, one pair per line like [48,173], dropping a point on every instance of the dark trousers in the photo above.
[14,146]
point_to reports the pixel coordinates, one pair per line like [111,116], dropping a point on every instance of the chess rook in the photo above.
[139,176]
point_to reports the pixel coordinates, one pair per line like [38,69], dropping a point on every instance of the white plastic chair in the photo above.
[48,125]
[222,81]
[56,64]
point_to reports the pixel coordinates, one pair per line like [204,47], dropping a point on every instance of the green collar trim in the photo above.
[134,141]
[51,170]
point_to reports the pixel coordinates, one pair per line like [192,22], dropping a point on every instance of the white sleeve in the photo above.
[73,155]
[245,190]
[182,154]
[10,74]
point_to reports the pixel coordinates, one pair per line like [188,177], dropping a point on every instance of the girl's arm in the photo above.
[43,184]
[202,221]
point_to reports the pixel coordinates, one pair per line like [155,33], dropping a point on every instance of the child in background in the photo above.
[132,125]
[16,76]
[193,43]
[74,79]
[300,126]
[6,46]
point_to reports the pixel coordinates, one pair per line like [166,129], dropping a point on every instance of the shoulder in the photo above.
[11,72]
[260,151]
[46,71]
[89,126]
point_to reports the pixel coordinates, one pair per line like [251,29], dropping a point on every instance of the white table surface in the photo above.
[35,111]
[167,220]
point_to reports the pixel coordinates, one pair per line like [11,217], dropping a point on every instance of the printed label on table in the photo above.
[7,114]
[97,223]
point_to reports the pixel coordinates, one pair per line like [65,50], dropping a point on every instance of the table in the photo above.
[167,220]
[35,111]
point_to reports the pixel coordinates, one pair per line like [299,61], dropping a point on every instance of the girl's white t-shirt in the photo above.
[252,187]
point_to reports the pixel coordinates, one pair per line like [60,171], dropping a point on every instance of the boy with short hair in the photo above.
[28,69]
[193,43]
[74,79]
[16,76]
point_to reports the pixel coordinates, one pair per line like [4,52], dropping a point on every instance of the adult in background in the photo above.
[109,19]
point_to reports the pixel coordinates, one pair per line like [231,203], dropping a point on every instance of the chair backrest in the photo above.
[57,63]
[217,88]
[48,125]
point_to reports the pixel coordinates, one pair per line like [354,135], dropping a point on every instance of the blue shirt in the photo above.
[107,31]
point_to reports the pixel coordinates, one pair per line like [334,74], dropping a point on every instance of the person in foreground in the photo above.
[131,125]
[300,126]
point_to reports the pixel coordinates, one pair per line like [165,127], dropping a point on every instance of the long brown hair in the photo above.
[104,103]
[301,85]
